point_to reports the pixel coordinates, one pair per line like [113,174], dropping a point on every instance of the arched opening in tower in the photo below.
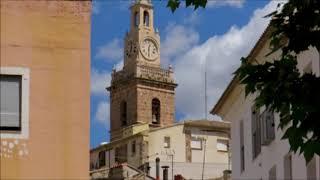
[136,19]
[146,18]
[155,111]
[123,113]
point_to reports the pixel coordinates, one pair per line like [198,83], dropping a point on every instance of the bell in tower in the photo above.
[142,92]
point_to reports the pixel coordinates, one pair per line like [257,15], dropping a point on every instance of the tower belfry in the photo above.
[142,92]
[142,36]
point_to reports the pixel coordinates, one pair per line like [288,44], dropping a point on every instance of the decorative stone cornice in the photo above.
[152,76]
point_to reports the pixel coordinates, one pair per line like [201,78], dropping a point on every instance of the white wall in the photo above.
[274,153]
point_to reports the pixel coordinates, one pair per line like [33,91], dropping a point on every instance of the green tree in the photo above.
[279,85]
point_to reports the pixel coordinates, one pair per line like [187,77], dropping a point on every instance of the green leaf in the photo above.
[289,132]
[188,3]
[173,5]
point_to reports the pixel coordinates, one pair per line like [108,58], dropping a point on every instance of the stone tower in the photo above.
[142,92]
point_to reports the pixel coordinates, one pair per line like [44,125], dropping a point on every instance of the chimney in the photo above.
[165,172]
[157,168]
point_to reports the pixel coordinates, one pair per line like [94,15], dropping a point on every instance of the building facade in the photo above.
[142,115]
[45,89]
[257,149]
[181,146]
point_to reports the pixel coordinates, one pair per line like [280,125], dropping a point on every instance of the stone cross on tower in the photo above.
[142,92]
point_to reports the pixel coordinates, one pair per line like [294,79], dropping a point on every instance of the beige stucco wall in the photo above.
[51,39]
[177,144]
[216,161]
[237,108]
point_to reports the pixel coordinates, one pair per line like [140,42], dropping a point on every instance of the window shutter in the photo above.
[242,156]
[270,125]
[287,166]
[256,132]
[267,130]
[311,169]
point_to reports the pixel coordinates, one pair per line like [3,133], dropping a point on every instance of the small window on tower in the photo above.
[155,111]
[123,113]
[136,19]
[146,18]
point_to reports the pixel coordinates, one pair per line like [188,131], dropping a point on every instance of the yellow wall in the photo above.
[52,39]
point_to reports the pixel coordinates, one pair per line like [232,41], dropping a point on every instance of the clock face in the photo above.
[149,49]
[131,49]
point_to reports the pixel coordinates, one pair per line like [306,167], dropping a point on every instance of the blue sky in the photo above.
[214,38]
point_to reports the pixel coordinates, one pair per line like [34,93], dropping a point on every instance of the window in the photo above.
[287,162]
[121,154]
[155,111]
[116,154]
[196,143]
[10,97]
[136,19]
[146,18]
[14,102]
[123,113]
[222,145]
[311,169]
[166,142]
[133,147]
[267,130]
[256,132]
[102,158]
[242,157]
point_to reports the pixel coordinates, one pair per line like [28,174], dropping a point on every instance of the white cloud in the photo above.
[99,81]
[193,19]
[222,56]
[233,3]
[125,5]
[111,51]
[177,41]
[102,114]
[119,65]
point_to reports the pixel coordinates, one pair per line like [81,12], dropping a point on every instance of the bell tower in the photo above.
[142,42]
[142,92]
